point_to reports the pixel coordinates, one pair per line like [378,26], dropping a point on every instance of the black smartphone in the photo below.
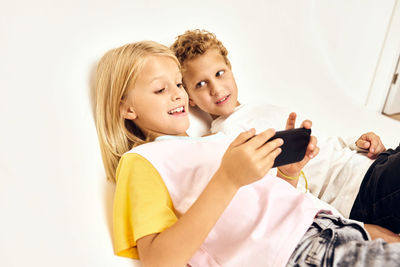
[294,147]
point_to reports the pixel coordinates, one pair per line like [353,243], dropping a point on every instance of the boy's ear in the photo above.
[191,103]
[127,112]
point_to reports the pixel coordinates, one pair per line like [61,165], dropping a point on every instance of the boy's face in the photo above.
[210,84]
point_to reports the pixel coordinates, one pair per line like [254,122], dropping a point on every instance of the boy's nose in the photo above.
[215,89]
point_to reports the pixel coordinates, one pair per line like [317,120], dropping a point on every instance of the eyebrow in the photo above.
[156,78]
[177,74]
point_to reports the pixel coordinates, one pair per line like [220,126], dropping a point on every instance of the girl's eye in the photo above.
[180,85]
[200,84]
[160,91]
[220,73]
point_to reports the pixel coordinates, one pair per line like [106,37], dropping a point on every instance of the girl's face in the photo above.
[158,103]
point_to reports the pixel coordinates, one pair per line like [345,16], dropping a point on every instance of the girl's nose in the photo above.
[177,97]
[176,93]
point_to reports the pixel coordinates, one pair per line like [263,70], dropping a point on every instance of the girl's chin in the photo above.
[181,131]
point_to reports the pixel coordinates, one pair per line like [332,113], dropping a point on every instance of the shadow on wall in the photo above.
[108,186]
[92,89]
[108,197]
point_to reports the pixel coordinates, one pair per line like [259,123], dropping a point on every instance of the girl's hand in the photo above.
[371,142]
[294,169]
[249,157]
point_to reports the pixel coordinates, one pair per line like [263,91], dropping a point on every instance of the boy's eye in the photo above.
[200,84]
[180,85]
[220,73]
[160,91]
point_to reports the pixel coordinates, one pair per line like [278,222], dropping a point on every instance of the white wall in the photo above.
[295,53]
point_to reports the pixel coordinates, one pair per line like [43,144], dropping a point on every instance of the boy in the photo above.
[335,175]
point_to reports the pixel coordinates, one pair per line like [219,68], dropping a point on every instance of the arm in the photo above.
[376,231]
[177,244]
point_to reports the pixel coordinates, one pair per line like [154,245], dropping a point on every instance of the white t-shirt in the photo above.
[334,176]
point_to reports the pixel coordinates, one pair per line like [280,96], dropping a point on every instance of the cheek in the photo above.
[233,87]
[230,80]
[202,101]
[193,96]
[150,108]
[201,98]
[204,96]
[142,107]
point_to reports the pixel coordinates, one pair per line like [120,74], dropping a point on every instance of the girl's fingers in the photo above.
[260,139]
[243,138]
[270,146]
[269,158]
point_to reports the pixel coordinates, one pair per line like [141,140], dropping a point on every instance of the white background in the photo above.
[317,57]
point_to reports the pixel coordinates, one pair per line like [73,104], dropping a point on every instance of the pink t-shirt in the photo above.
[260,227]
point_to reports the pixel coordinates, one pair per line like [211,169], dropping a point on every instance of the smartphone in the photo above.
[294,146]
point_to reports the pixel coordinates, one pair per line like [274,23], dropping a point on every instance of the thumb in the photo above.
[243,138]
[363,143]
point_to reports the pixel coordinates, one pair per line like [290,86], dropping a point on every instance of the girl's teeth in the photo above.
[176,110]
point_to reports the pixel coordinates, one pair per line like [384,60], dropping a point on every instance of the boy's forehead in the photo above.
[212,58]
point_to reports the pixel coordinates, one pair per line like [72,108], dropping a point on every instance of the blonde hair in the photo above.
[194,43]
[117,71]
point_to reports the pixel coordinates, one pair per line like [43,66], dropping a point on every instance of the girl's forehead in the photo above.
[160,65]
[156,68]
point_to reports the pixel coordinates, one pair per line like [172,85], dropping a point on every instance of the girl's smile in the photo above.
[157,103]
[179,111]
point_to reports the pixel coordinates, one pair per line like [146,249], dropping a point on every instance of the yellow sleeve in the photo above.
[142,204]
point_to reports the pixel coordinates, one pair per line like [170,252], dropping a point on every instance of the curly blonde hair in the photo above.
[194,43]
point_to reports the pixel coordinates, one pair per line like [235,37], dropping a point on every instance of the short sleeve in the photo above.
[142,204]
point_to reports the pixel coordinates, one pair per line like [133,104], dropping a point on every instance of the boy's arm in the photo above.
[293,180]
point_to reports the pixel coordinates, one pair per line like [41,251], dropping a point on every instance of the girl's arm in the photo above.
[177,244]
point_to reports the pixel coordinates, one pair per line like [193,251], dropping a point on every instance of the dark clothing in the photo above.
[378,201]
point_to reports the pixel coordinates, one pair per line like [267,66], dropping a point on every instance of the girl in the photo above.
[207,202]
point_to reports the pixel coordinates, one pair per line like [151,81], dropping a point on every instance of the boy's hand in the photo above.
[249,157]
[294,169]
[371,142]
